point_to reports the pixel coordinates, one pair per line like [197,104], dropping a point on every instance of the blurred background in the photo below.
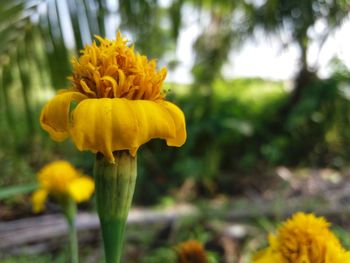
[265,87]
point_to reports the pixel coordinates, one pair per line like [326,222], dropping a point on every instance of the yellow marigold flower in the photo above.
[61,179]
[191,251]
[38,200]
[120,103]
[304,238]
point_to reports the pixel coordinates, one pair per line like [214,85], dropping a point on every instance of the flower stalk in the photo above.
[70,211]
[68,186]
[115,184]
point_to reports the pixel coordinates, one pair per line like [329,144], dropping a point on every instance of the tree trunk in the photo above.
[302,80]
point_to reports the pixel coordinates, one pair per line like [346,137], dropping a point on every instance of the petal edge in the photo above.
[107,125]
[54,117]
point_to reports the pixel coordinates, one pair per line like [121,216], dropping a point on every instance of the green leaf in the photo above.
[17,190]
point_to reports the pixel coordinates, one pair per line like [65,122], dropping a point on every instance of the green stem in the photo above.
[70,210]
[115,184]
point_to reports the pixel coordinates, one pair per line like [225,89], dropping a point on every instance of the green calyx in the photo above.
[115,184]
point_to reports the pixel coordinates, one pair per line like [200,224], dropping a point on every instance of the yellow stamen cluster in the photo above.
[113,70]
[303,239]
[191,251]
[303,234]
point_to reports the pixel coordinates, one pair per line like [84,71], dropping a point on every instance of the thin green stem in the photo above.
[70,208]
[73,240]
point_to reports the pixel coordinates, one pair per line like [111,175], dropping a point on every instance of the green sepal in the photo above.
[115,184]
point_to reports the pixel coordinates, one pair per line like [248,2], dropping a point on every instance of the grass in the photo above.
[60,258]
[255,92]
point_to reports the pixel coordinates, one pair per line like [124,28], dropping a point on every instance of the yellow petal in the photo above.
[180,125]
[38,200]
[267,256]
[81,188]
[107,125]
[55,115]
[56,176]
[345,257]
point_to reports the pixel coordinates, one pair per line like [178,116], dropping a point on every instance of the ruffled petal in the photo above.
[180,125]
[38,200]
[54,117]
[107,125]
[81,189]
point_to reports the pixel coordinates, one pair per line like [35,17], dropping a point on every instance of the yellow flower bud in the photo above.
[60,179]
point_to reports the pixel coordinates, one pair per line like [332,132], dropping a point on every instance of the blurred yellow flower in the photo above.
[119,102]
[191,251]
[304,238]
[61,180]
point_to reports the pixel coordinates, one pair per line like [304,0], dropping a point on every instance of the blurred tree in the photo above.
[38,38]
[297,19]
[155,29]
[147,22]
[231,22]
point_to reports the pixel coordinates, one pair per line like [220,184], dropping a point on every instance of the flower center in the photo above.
[113,70]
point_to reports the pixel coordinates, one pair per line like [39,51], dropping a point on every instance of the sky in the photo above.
[262,57]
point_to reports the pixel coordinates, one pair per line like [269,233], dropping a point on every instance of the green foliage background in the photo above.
[238,130]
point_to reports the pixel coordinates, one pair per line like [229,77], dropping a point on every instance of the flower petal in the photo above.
[107,125]
[54,117]
[81,189]
[38,200]
[180,125]
[267,256]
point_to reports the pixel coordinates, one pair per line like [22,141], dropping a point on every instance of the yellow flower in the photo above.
[304,238]
[119,102]
[61,179]
[191,251]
